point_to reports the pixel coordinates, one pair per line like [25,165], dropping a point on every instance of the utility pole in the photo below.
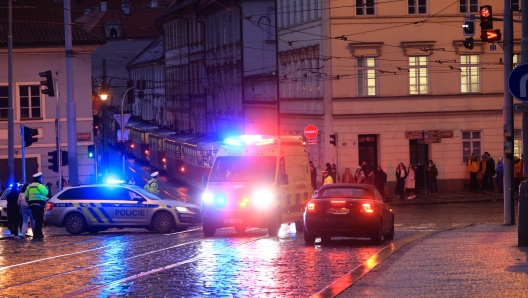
[507,116]
[523,198]
[58,132]
[104,153]
[71,116]
[10,117]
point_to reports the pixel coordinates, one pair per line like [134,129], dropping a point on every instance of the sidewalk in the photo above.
[476,261]
[449,197]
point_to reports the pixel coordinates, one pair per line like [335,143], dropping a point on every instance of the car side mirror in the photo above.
[283,178]
[204,179]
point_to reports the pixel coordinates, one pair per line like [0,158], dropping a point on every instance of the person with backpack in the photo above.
[26,212]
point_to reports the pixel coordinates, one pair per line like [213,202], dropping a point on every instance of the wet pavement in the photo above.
[134,262]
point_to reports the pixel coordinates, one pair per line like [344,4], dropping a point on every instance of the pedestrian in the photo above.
[410,182]
[483,162]
[152,184]
[313,176]
[490,171]
[348,177]
[381,179]
[401,174]
[359,175]
[371,178]
[26,212]
[432,175]
[517,172]
[48,186]
[500,174]
[132,181]
[473,166]
[328,168]
[63,181]
[365,168]
[327,178]
[36,194]
[13,211]
[334,173]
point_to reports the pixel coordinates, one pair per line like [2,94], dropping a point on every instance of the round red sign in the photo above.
[310,131]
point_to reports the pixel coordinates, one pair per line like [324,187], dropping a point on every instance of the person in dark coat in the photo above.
[381,179]
[13,211]
[490,171]
[313,176]
[401,174]
[432,175]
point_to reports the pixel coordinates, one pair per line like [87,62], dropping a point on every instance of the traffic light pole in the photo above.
[123,131]
[58,129]
[10,116]
[523,197]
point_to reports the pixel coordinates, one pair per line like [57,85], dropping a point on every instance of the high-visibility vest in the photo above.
[152,186]
[36,192]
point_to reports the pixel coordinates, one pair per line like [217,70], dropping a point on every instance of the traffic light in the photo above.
[468,43]
[29,134]
[91,151]
[140,85]
[491,35]
[486,17]
[333,139]
[64,158]
[468,27]
[48,83]
[131,96]
[54,161]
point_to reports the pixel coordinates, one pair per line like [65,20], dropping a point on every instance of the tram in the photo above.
[198,157]
[174,154]
[156,140]
[139,135]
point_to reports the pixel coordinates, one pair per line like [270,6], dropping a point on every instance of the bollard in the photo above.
[523,214]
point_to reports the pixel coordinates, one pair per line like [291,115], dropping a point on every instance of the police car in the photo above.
[93,208]
[3,207]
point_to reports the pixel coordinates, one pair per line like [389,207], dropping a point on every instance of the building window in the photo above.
[316,9]
[418,75]
[3,102]
[301,11]
[288,13]
[366,68]
[471,143]
[294,12]
[516,60]
[469,6]
[417,6]
[30,102]
[470,73]
[515,5]
[365,7]
[517,143]
[308,10]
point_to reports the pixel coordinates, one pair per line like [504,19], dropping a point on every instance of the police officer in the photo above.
[152,184]
[36,195]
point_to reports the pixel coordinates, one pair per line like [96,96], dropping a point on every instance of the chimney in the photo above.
[154,3]
[103,5]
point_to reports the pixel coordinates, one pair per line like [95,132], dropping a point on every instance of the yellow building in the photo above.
[377,72]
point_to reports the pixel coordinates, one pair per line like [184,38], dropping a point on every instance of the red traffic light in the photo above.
[485,11]
[491,35]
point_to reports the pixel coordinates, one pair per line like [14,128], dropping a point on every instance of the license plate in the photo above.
[337,210]
[232,221]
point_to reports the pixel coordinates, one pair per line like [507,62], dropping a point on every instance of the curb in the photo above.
[347,280]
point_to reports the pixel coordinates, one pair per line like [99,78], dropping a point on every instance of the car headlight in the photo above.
[207,197]
[263,197]
[184,210]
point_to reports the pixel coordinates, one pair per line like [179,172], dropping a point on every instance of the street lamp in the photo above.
[104,97]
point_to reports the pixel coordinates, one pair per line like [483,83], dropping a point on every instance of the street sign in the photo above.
[118,118]
[311,142]
[84,136]
[119,135]
[446,133]
[413,135]
[430,141]
[432,134]
[520,107]
[310,131]
[517,82]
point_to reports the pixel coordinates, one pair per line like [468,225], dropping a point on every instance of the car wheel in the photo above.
[377,233]
[163,222]
[299,226]
[390,235]
[240,229]
[325,239]
[308,238]
[208,230]
[75,223]
[274,226]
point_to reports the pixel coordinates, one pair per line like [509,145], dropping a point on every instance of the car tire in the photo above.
[308,238]
[163,222]
[390,235]
[274,226]
[240,229]
[299,226]
[208,230]
[75,223]
[377,233]
[326,240]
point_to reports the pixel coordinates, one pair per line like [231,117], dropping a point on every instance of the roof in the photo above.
[152,53]
[79,7]
[40,23]
[141,23]
[181,4]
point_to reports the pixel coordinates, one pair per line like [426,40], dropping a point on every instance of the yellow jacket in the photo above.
[473,166]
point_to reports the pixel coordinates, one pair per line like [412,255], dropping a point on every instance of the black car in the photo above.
[348,210]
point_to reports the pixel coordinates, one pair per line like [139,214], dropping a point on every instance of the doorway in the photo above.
[419,155]
[368,150]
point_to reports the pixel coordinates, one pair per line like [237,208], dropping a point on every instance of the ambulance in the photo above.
[257,181]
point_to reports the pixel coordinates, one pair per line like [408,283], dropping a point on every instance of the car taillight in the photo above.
[131,145]
[146,152]
[49,206]
[336,202]
[164,160]
[182,169]
[366,208]
[310,207]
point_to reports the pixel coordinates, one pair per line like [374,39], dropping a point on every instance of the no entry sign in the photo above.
[310,131]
